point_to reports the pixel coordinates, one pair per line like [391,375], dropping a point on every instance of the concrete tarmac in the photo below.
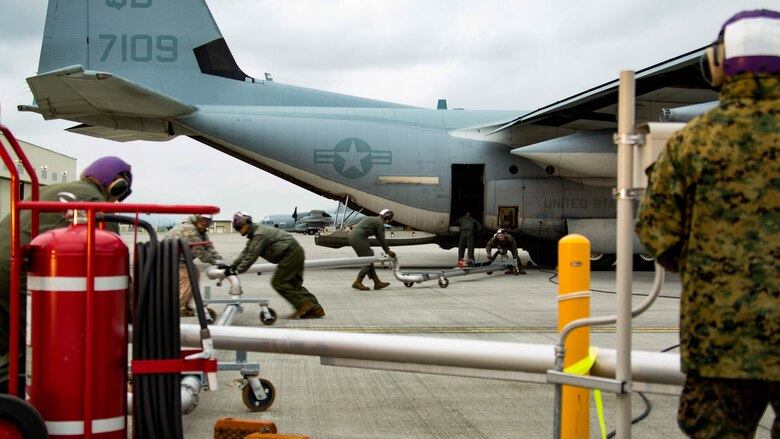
[337,402]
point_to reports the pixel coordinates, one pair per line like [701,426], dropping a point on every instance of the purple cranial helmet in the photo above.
[113,174]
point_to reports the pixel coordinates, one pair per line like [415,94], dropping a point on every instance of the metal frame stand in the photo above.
[505,262]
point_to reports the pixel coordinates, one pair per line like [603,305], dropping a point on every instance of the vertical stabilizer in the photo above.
[156,43]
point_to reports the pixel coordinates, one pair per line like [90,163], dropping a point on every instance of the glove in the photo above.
[391,253]
[222,265]
[229,271]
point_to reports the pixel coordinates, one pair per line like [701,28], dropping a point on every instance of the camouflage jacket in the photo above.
[367,227]
[269,243]
[508,244]
[187,230]
[712,213]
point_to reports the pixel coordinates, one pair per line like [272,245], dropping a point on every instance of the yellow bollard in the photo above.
[574,304]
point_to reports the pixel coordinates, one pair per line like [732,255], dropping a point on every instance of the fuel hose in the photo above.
[156,333]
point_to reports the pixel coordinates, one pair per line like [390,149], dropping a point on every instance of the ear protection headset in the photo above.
[711,63]
[120,187]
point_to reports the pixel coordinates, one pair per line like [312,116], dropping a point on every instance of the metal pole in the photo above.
[625,250]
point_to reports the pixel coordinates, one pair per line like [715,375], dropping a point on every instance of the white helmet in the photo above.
[386,214]
[747,42]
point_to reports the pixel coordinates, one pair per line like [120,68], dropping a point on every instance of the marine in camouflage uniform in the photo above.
[712,213]
[504,242]
[193,230]
[281,248]
[82,190]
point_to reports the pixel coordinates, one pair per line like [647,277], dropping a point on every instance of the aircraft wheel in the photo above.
[443,282]
[602,261]
[250,400]
[408,284]
[643,262]
[18,419]
[267,321]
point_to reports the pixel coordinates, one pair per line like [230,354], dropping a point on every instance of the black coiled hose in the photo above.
[156,335]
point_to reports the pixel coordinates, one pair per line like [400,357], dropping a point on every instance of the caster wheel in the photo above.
[443,282]
[250,400]
[268,321]
[212,314]
[408,284]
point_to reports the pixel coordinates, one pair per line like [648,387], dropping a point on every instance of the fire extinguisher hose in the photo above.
[156,397]
[156,332]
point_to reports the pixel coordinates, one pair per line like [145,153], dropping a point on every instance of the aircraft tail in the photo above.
[136,39]
[130,69]
[126,69]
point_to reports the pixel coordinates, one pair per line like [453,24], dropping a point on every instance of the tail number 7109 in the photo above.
[141,47]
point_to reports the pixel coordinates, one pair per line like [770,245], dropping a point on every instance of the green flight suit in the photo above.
[358,239]
[468,226]
[280,248]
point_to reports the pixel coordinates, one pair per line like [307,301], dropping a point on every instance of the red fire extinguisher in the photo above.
[77,345]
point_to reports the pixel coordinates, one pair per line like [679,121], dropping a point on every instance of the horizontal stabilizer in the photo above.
[103,99]
[118,135]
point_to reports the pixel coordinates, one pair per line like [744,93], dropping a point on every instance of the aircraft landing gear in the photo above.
[602,261]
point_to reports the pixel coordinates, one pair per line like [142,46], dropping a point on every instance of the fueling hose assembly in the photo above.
[156,331]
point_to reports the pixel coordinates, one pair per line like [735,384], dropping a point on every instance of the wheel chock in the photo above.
[274,436]
[232,428]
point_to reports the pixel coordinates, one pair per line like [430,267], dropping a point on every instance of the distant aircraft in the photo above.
[309,222]
[312,221]
[279,221]
[142,70]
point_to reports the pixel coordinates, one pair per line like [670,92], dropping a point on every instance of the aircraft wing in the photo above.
[673,83]
[109,106]
[575,134]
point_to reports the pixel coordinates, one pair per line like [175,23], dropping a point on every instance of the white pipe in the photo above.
[190,387]
[650,367]
[218,274]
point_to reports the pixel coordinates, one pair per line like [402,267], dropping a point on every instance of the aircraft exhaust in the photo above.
[685,114]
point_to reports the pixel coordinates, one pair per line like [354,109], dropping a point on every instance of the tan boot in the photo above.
[301,310]
[358,284]
[378,284]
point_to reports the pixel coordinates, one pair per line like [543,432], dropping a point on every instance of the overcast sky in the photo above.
[489,54]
